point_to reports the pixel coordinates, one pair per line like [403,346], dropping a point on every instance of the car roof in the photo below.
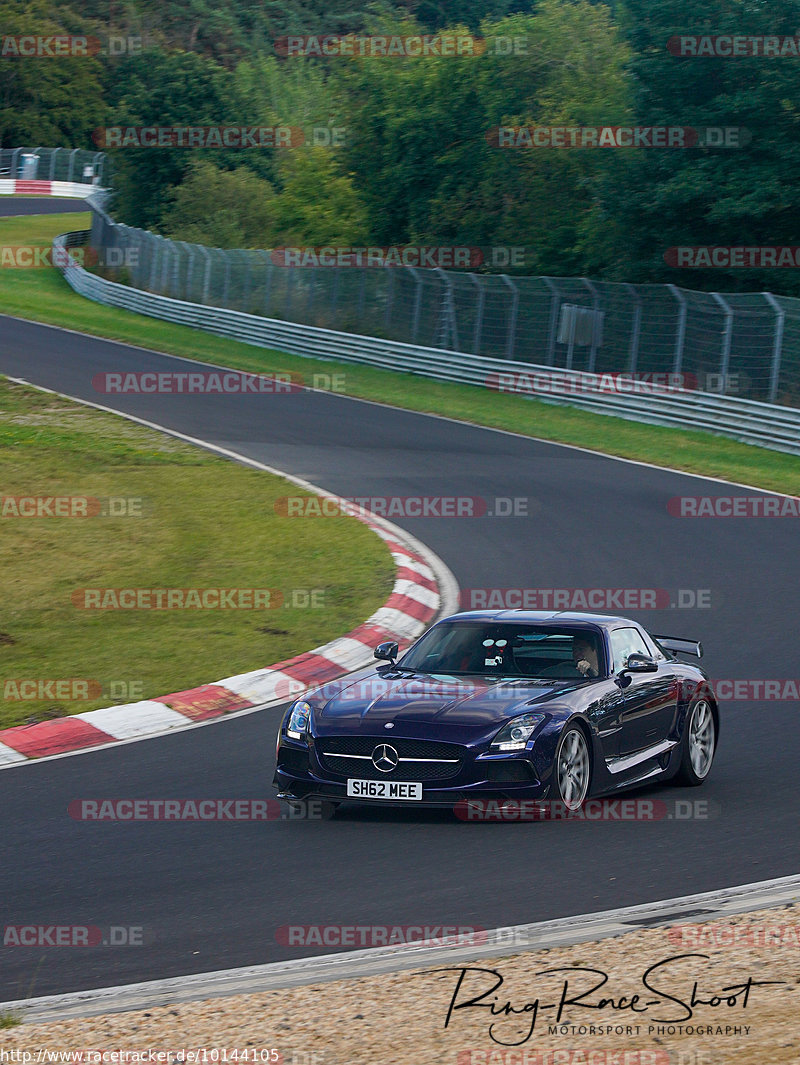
[533,617]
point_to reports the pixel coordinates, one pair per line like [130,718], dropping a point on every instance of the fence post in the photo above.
[248,255]
[165,245]
[636,329]
[154,246]
[312,289]
[226,285]
[206,274]
[387,317]
[448,329]
[476,336]
[289,286]
[417,303]
[555,301]
[777,346]
[267,280]
[512,325]
[362,270]
[595,309]
[187,288]
[681,336]
[53,163]
[725,359]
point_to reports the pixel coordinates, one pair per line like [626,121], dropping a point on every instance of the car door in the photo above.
[648,700]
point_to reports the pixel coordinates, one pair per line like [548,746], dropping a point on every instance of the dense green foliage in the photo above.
[399,149]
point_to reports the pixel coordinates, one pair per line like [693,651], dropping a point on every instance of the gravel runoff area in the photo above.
[399,1019]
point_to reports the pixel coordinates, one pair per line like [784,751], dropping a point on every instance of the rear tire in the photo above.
[699,745]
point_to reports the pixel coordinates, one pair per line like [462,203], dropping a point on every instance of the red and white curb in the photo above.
[424,589]
[65,189]
[414,603]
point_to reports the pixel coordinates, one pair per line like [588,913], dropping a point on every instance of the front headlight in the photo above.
[299,720]
[515,735]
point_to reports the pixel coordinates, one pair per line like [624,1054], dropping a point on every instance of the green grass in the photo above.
[43,295]
[9,1019]
[198,522]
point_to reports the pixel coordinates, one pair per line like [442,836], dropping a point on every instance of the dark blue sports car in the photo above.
[503,706]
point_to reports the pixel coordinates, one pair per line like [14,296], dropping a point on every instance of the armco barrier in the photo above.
[749,421]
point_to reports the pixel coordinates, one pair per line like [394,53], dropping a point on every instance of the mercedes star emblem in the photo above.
[385,758]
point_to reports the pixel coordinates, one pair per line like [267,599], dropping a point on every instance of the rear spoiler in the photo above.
[684,647]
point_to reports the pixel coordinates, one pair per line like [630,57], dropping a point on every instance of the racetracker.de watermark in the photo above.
[579,382]
[584,599]
[203,809]
[69,689]
[204,136]
[734,257]
[48,46]
[718,934]
[428,256]
[398,45]
[734,46]
[593,810]
[670,137]
[35,257]
[428,506]
[380,935]
[72,935]
[197,382]
[756,689]
[31,506]
[197,598]
[761,506]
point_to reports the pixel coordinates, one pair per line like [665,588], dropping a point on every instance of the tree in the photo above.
[53,101]
[159,89]
[707,195]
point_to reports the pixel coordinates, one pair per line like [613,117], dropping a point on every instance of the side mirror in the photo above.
[641,664]
[637,663]
[386,651]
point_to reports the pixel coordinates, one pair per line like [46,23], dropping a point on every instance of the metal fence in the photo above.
[54,164]
[753,422]
[745,344]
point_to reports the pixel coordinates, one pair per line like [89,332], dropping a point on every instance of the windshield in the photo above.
[531,651]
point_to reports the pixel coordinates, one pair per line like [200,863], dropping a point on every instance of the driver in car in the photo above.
[584,655]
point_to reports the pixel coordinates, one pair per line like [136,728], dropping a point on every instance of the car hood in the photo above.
[426,699]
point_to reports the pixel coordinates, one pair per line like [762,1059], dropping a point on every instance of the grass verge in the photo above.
[42,295]
[141,510]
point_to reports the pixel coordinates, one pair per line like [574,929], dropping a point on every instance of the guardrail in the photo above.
[749,421]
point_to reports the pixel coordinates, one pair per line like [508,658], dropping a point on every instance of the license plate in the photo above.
[384,789]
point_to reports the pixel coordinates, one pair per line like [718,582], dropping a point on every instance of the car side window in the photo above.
[626,642]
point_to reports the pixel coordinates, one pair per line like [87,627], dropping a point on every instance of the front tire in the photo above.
[572,769]
[699,745]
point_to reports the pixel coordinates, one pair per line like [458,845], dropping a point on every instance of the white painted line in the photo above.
[264,684]
[347,653]
[9,755]
[134,719]
[416,592]
[499,942]
[397,622]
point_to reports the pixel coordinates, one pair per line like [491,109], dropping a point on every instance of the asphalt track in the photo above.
[14,206]
[212,896]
